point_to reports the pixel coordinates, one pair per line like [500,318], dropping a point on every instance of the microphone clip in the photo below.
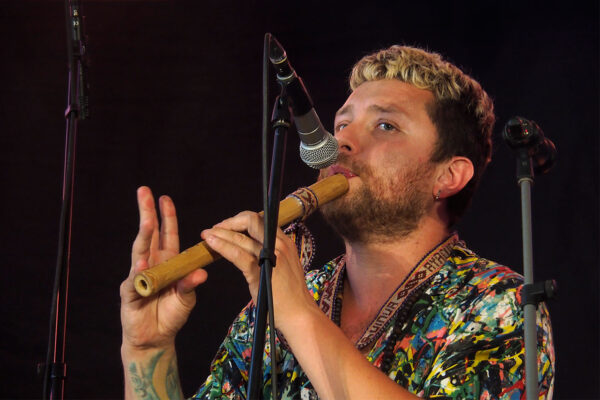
[536,153]
[281,117]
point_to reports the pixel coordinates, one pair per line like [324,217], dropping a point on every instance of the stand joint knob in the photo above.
[535,293]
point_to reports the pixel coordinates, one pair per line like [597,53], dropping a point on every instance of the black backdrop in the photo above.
[175,102]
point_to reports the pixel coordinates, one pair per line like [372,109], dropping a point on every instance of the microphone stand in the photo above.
[55,368]
[519,134]
[280,123]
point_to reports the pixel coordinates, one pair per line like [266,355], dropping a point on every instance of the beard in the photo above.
[384,208]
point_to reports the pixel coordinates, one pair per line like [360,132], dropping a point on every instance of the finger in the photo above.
[283,243]
[246,221]
[193,279]
[235,247]
[242,240]
[169,233]
[252,223]
[127,289]
[243,260]
[285,250]
[138,265]
[148,225]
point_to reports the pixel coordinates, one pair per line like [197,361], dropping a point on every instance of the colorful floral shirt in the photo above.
[452,330]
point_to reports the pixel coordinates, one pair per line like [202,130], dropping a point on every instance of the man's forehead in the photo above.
[386,96]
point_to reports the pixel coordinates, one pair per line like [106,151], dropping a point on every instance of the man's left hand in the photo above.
[239,239]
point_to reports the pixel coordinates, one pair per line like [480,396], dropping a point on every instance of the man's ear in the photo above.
[454,175]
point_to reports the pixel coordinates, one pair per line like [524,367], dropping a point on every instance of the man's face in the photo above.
[386,139]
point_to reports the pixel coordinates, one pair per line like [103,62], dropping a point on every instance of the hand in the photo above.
[153,322]
[229,238]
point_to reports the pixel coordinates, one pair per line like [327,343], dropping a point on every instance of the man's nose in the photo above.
[349,139]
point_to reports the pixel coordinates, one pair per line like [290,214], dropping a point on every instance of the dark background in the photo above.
[175,102]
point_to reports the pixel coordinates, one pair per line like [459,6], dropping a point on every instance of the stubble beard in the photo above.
[384,208]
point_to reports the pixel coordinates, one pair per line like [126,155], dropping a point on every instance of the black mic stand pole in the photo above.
[527,139]
[281,123]
[525,179]
[55,368]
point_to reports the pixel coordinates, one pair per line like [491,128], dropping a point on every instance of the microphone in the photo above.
[318,148]
[521,133]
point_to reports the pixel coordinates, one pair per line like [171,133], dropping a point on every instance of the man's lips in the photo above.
[338,169]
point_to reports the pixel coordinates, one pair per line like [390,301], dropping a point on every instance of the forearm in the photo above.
[151,374]
[334,366]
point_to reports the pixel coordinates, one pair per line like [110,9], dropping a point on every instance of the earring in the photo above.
[437,196]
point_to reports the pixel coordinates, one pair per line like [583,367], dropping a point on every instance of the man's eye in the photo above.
[386,126]
[339,127]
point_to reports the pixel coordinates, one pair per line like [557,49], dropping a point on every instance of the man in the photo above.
[408,310]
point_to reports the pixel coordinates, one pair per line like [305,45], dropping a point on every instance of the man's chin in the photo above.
[360,218]
[341,214]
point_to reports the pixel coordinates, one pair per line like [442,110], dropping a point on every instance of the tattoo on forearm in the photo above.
[142,379]
[172,380]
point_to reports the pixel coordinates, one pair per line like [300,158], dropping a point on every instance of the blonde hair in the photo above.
[462,112]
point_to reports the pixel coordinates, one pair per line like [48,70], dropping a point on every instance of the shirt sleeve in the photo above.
[484,353]
[229,369]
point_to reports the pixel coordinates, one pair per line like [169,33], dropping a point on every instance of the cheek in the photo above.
[398,159]
[392,163]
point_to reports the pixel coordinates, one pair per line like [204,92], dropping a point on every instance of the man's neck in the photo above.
[374,269]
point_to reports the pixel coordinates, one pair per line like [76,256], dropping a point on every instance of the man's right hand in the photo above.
[152,322]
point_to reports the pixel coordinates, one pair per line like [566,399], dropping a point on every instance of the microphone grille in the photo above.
[320,155]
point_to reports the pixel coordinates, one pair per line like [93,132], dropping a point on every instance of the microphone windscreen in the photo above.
[320,155]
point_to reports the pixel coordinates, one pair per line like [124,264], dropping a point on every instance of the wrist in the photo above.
[151,370]
[299,319]
[132,351]
[142,341]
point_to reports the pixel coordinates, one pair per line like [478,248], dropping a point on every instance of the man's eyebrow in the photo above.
[344,110]
[385,109]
